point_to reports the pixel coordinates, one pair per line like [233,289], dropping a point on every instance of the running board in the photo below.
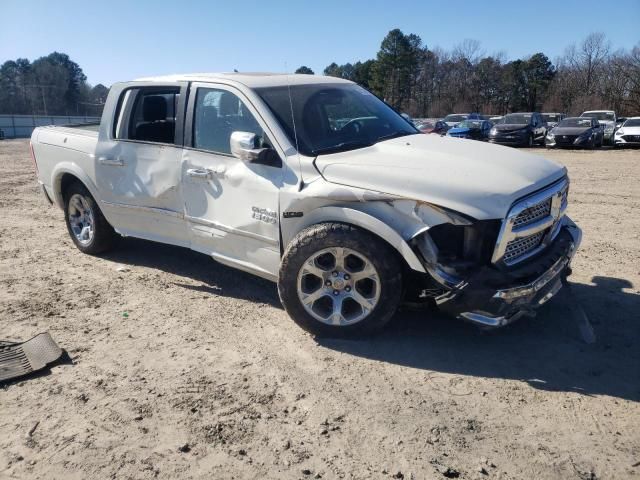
[19,359]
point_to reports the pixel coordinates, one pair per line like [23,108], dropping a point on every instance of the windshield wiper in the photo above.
[389,136]
[343,146]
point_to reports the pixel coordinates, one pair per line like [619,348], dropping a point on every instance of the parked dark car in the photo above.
[473,129]
[552,119]
[437,127]
[583,132]
[519,130]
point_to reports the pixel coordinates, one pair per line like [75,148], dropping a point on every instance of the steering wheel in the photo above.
[355,124]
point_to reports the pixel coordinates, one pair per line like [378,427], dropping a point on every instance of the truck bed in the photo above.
[63,144]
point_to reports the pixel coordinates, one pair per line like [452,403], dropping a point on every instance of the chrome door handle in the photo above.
[114,162]
[199,173]
[207,172]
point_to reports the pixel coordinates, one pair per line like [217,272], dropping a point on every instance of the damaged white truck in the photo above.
[318,185]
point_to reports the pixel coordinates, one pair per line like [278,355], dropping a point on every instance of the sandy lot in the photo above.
[183,368]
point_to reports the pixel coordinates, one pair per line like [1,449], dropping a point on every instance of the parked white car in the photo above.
[629,133]
[316,184]
[606,118]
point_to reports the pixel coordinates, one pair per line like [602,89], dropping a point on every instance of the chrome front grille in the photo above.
[531,224]
[534,213]
[521,246]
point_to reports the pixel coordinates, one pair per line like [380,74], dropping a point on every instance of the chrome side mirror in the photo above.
[243,146]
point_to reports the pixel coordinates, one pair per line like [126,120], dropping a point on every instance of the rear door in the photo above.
[137,163]
[231,206]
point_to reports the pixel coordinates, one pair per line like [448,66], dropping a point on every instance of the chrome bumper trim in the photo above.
[528,292]
[538,284]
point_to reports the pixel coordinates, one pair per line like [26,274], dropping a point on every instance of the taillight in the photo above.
[33,157]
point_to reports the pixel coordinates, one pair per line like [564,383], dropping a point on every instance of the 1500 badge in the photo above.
[264,215]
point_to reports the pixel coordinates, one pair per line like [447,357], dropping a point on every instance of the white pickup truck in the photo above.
[318,185]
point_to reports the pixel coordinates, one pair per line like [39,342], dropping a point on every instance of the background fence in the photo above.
[21,126]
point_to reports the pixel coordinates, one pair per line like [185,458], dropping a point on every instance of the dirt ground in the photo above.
[183,368]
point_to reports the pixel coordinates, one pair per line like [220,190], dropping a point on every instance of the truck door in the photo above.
[137,163]
[231,205]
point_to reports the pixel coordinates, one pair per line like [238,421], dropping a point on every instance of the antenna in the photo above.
[293,120]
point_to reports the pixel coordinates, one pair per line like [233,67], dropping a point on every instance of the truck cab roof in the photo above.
[249,79]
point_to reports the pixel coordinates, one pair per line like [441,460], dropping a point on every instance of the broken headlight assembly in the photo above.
[451,252]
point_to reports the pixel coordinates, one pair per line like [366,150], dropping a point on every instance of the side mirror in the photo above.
[243,146]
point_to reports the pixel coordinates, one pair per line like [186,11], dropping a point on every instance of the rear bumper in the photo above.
[493,298]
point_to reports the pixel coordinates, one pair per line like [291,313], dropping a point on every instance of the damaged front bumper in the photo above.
[494,298]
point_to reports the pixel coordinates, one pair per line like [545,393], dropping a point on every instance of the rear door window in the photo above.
[147,115]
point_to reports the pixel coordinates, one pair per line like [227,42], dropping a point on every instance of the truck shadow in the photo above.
[547,352]
[213,277]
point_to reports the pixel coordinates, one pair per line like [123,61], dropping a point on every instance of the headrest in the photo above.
[154,108]
[228,104]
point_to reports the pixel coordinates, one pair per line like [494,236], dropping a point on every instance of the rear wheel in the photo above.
[337,280]
[87,227]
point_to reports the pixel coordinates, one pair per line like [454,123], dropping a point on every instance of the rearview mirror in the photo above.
[243,146]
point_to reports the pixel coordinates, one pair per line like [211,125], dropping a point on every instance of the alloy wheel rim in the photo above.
[81,219]
[338,286]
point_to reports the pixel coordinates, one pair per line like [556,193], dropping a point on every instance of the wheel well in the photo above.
[66,181]
[403,263]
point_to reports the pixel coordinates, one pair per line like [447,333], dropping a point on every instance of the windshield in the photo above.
[470,124]
[551,117]
[516,119]
[634,122]
[331,118]
[575,122]
[606,116]
[454,118]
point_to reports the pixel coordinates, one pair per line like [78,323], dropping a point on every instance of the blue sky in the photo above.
[120,40]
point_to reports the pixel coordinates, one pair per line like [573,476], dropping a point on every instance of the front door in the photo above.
[231,205]
[138,164]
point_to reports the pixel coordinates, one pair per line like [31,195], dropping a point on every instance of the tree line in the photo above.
[411,77]
[50,85]
[426,82]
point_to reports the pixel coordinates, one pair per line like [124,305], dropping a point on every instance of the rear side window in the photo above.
[217,114]
[147,115]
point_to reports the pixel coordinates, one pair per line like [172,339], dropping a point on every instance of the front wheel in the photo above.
[337,280]
[530,141]
[87,227]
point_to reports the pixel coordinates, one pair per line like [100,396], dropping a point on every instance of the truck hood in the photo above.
[478,179]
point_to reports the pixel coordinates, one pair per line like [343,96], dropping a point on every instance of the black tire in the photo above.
[315,238]
[530,142]
[104,236]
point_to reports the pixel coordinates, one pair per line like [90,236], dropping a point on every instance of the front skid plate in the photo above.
[18,359]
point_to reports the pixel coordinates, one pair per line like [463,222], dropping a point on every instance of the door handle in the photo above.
[204,173]
[207,172]
[114,162]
